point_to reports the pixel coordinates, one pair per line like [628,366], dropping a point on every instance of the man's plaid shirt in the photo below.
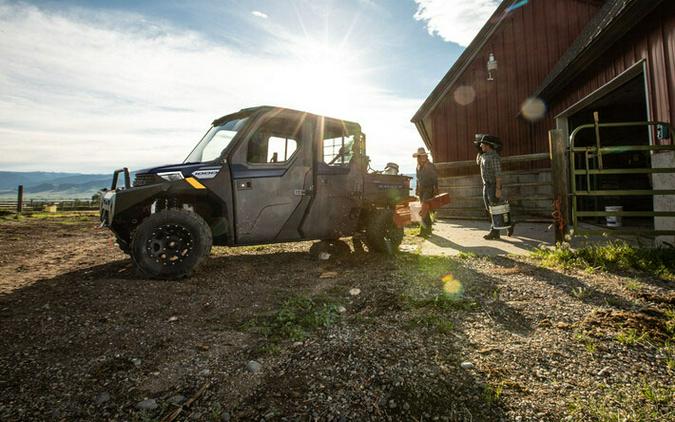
[490,167]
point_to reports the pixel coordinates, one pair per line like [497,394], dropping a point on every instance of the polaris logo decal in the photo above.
[206,173]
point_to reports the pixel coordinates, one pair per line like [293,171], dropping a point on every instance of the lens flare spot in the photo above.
[464,95]
[533,109]
[517,5]
[451,285]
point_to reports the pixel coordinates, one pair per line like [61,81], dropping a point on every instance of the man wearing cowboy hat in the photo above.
[427,188]
[491,172]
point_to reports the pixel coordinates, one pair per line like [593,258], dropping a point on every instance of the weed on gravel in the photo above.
[296,319]
[649,401]
[616,255]
[433,296]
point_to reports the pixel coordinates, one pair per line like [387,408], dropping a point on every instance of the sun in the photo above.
[327,78]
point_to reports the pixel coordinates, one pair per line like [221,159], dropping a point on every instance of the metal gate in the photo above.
[593,155]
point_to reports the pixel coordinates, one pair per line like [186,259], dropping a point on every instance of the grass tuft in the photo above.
[492,394]
[433,322]
[296,319]
[465,256]
[588,342]
[642,402]
[441,302]
[631,337]
[659,262]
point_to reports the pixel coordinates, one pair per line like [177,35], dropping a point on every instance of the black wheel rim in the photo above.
[169,244]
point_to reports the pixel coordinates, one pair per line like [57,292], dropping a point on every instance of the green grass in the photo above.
[589,343]
[670,322]
[440,302]
[466,256]
[581,292]
[631,337]
[295,320]
[434,322]
[492,393]
[633,286]
[668,350]
[668,346]
[433,294]
[73,217]
[636,403]
[616,255]
[411,231]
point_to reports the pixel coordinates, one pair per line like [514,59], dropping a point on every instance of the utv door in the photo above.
[336,205]
[272,178]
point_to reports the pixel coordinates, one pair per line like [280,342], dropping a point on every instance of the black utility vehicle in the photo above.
[262,175]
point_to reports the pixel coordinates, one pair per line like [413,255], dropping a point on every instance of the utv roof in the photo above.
[251,110]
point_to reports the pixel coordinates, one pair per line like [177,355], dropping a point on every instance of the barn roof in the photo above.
[464,60]
[613,20]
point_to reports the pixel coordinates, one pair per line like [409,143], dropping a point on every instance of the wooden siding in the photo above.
[527,45]
[653,40]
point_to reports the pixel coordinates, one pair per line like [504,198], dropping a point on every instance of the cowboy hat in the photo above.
[493,141]
[420,152]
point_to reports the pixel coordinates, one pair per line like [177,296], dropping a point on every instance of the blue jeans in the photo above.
[425,195]
[490,198]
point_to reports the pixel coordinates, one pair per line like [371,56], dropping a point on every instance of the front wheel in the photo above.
[171,244]
[382,234]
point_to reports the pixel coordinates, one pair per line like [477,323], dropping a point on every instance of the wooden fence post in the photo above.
[560,182]
[19,200]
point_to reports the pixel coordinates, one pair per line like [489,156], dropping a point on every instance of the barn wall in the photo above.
[527,45]
[653,40]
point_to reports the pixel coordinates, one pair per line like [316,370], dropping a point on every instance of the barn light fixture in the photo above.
[491,66]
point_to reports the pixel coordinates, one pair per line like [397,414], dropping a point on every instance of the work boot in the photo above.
[493,235]
[424,232]
[509,231]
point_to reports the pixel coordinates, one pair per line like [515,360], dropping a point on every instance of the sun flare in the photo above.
[327,78]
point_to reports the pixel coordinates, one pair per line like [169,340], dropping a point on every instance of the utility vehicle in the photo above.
[261,175]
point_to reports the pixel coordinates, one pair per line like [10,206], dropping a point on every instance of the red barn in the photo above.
[557,62]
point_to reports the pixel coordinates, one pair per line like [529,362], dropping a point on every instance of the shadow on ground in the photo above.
[107,329]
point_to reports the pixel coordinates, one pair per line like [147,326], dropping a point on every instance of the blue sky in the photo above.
[93,85]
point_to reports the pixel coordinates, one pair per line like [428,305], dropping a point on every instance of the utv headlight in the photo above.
[171,176]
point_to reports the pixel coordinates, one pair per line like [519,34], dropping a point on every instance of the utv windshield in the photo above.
[215,141]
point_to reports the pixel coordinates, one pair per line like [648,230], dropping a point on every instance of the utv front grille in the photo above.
[146,179]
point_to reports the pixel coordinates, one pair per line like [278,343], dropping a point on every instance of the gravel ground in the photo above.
[410,337]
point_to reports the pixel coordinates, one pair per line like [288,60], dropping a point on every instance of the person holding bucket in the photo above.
[427,188]
[490,165]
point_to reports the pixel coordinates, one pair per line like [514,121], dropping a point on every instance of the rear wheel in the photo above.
[382,234]
[332,247]
[171,244]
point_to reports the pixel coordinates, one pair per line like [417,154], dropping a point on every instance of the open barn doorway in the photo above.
[622,103]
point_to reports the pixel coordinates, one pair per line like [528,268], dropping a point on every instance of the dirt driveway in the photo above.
[271,333]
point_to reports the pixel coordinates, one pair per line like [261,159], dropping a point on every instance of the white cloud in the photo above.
[455,21]
[85,94]
[259,14]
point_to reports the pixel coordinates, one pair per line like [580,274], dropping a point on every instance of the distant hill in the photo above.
[46,185]
[52,185]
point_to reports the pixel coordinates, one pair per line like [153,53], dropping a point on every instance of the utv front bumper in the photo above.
[107,209]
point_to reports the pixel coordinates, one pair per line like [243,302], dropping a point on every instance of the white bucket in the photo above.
[415,209]
[614,220]
[501,216]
